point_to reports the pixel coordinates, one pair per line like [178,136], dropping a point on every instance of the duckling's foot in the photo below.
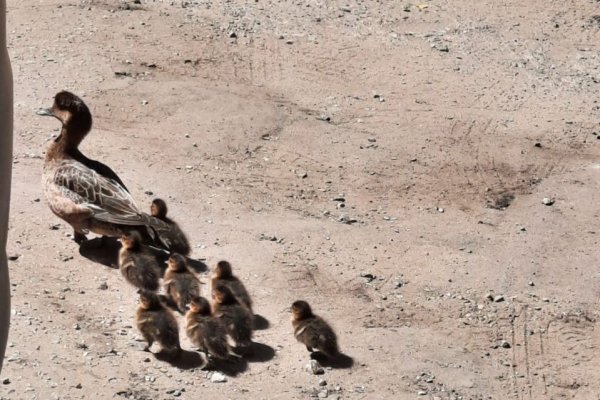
[79,237]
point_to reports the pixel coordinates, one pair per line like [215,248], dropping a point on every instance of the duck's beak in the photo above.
[45,112]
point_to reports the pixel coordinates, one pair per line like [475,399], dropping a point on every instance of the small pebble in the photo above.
[547,201]
[218,377]
[346,219]
[370,277]
[315,368]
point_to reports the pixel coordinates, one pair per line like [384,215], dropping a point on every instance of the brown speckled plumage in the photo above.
[86,193]
[312,330]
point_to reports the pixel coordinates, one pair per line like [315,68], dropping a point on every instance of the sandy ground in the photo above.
[442,125]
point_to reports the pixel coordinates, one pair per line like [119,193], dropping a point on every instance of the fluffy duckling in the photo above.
[312,330]
[222,273]
[174,237]
[205,331]
[138,264]
[83,192]
[236,317]
[157,323]
[180,284]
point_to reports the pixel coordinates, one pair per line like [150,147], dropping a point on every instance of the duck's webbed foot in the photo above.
[79,237]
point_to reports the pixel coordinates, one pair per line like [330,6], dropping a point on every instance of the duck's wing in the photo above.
[105,197]
[100,168]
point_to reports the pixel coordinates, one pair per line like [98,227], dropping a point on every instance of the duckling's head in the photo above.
[149,300]
[199,305]
[222,295]
[301,310]
[131,240]
[72,112]
[158,208]
[223,270]
[177,262]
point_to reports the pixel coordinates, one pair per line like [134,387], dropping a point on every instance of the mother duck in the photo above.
[86,193]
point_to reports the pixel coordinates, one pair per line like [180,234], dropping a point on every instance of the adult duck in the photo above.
[86,193]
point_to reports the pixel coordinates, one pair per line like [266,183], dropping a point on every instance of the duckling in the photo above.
[180,283]
[138,264]
[174,237]
[312,330]
[157,323]
[222,273]
[236,317]
[206,331]
[86,193]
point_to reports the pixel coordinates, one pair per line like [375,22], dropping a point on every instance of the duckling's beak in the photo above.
[47,112]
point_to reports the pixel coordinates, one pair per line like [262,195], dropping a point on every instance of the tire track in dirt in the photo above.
[470,162]
[539,343]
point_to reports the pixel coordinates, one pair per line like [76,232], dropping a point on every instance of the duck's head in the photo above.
[72,112]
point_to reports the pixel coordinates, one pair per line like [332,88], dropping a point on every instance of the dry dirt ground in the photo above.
[442,124]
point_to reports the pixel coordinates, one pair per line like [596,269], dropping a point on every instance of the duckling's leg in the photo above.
[182,306]
[148,345]
[79,237]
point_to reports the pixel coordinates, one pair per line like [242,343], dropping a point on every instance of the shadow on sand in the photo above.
[258,352]
[230,367]
[105,250]
[101,250]
[184,360]
[260,323]
[342,361]
[198,266]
